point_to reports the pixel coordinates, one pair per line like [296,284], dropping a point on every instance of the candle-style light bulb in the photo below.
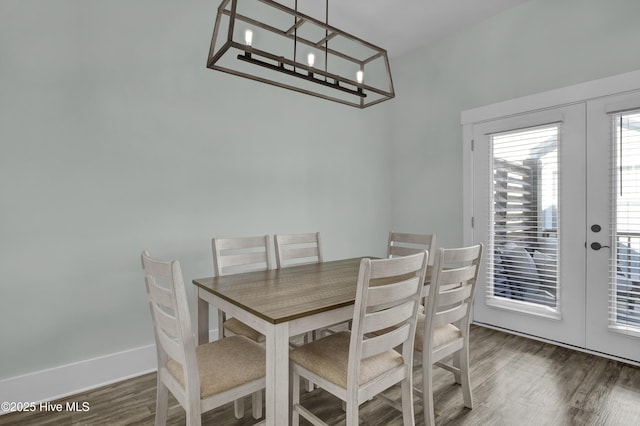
[248,37]
[360,76]
[311,59]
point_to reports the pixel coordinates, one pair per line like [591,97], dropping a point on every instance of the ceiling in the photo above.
[402,25]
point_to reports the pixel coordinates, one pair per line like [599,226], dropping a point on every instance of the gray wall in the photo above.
[115,138]
[538,46]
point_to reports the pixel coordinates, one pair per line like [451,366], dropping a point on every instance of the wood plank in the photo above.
[279,295]
[515,381]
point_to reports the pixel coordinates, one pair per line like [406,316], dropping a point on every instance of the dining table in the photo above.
[281,303]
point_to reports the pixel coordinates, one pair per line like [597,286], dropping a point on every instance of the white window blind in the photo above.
[624,294]
[524,226]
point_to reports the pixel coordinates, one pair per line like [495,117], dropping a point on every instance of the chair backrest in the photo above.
[387,299]
[234,255]
[452,289]
[297,249]
[403,244]
[171,320]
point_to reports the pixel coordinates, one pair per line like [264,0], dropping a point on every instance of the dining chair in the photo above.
[236,255]
[233,256]
[403,244]
[443,330]
[297,249]
[355,366]
[200,377]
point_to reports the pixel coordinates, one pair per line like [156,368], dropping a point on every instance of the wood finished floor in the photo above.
[516,381]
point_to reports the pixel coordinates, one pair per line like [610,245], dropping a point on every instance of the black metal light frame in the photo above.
[352,92]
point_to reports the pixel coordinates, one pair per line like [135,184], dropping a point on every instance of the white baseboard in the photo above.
[66,380]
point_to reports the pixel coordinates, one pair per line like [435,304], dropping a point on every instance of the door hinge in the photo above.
[472,144]
[472,221]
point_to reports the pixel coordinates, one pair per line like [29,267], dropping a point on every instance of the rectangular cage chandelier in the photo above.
[266,41]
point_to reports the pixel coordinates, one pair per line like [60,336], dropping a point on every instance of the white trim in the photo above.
[582,92]
[70,379]
[556,343]
[527,308]
[467,185]
[59,382]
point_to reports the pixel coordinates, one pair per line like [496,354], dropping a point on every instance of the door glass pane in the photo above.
[625,276]
[524,227]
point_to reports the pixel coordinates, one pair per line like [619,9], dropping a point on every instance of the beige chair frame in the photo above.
[175,343]
[387,298]
[232,256]
[235,255]
[297,249]
[403,244]
[448,315]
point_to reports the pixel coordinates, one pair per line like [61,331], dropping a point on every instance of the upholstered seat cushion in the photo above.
[441,335]
[241,329]
[329,358]
[225,364]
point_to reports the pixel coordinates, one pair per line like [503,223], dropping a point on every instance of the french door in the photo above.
[613,226]
[556,200]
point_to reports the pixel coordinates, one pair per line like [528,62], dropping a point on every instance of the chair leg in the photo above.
[308,338]
[194,419]
[256,404]
[162,403]
[408,416]
[194,416]
[295,398]
[465,376]
[456,363]
[352,413]
[427,391]
[238,408]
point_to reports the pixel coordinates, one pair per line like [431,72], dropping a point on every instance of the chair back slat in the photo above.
[159,295]
[166,321]
[299,252]
[405,244]
[395,269]
[464,254]
[384,342]
[450,315]
[248,260]
[391,293]
[235,255]
[380,320]
[297,249]
[457,275]
[242,243]
[306,238]
[455,295]
[402,251]
[172,347]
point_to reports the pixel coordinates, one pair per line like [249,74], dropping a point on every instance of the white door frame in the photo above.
[579,93]
[567,324]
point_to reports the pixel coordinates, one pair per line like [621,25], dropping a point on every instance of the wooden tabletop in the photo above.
[280,295]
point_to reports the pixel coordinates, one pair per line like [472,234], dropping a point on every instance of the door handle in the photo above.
[597,246]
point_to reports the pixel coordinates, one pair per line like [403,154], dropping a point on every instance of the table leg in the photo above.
[202,312]
[277,387]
